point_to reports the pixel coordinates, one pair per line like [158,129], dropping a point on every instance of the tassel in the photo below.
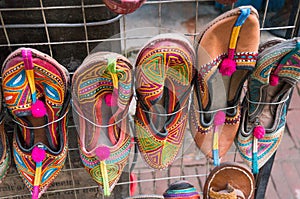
[254,157]
[258,133]
[112,62]
[103,153]
[133,185]
[38,155]
[216,149]
[218,121]
[111,98]
[37,107]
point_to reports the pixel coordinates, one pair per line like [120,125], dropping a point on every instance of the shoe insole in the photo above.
[217,86]
[268,115]
[39,134]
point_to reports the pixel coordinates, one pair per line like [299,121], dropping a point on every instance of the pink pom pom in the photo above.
[38,109]
[227,67]
[259,132]
[110,99]
[38,154]
[219,118]
[102,152]
[274,80]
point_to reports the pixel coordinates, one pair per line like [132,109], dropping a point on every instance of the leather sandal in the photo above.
[226,55]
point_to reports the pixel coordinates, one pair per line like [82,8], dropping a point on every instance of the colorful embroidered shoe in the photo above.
[229,180]
[180,190]
[227,52]
[36,94]
[102,92]
[4,147]
[265,105]
[164,71]
[123,6]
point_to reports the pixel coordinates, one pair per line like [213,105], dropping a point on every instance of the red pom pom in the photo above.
[219,118]
[259,132]
[110,99]
[227,67]
[38,154]
[102,152]
[274,80]
[38,109]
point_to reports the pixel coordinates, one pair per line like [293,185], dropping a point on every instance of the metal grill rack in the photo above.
[70,30]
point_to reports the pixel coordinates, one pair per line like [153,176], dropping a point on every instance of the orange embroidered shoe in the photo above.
[102,92]
[226,55]
[164,71]
[35,89]
[4,147]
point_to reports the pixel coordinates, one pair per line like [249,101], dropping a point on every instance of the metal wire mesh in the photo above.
[69,38]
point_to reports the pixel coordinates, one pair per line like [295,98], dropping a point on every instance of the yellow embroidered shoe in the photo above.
[164,71]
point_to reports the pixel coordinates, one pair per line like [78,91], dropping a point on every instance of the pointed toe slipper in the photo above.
[164,71]
[35,89]
[226,55]
[266,102]
[102,92]
[229,180]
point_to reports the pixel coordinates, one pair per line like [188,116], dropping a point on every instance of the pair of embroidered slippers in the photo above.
[102,89]
[35,91]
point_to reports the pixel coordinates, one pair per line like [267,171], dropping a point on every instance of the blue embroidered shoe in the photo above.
[265,105]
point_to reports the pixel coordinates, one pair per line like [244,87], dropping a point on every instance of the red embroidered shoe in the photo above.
[35,89]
